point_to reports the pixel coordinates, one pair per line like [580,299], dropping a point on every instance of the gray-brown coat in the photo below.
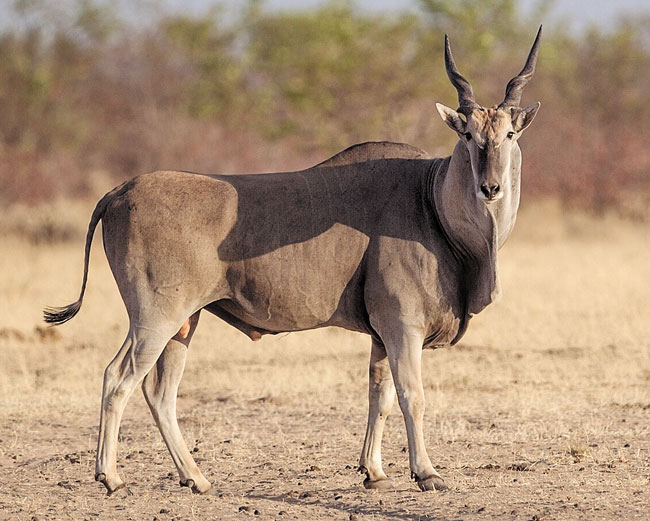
[380,239]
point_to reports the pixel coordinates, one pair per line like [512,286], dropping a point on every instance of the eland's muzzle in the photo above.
[491,192]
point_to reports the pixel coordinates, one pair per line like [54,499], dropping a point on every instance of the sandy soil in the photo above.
[542,412]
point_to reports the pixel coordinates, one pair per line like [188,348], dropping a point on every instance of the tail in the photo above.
[56,316]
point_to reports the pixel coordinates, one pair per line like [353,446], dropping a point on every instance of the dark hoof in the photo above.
[189,483]
[431,483]
[110,490]
[192,486]
[378,484]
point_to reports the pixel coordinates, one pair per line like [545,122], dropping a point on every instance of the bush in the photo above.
[82,89]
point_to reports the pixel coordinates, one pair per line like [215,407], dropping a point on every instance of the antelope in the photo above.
[380,239]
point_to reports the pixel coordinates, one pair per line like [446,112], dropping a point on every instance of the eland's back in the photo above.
[380,239]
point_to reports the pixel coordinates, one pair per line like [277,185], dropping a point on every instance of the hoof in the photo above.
[112,488]
[194,487]
[431,483]
[378,484]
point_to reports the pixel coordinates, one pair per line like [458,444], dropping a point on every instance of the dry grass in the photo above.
[542,412]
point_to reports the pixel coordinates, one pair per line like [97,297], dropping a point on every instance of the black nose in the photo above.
[490,191]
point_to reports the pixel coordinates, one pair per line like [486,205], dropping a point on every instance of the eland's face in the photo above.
[489,137]
[490,134]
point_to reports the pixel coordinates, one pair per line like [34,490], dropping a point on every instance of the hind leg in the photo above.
[133,361]
[381,395]
[160,387]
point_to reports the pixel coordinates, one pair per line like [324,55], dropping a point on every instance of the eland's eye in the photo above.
[468,136]
[511,134]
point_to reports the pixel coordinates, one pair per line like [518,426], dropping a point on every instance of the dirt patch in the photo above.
[293,462]
[541,413]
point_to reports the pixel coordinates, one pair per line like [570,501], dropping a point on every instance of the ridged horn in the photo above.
[516,85]
[466,101]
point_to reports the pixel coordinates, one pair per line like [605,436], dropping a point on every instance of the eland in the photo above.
[380,239]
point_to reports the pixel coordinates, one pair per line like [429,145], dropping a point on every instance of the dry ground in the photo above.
[542,412]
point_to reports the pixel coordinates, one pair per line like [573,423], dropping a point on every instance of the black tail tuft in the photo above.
[58,316]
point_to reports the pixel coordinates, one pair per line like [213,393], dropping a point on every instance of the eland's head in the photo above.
[490,134]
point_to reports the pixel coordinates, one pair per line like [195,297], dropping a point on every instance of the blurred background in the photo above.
[553,380]
[93,92]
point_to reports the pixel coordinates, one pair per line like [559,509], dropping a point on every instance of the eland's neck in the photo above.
[474,230]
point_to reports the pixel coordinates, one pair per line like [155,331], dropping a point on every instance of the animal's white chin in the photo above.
[481,197]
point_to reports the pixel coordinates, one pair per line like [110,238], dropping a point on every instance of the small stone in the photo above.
[256,512]
[244,508]
[282,513]
[72,458]
[163,511]
[353,517]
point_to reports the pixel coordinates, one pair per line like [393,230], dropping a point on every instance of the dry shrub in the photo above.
[261,91]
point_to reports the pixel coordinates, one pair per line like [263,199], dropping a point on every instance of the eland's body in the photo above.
[380,239]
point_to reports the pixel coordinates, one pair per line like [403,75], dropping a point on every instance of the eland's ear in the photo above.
[452,118]
[522,117]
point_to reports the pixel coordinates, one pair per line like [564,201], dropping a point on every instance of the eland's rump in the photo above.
[380,238]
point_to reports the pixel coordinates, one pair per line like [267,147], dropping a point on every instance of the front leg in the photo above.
[404,349]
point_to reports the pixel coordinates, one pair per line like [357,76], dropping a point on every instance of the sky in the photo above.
[575,14]
[581,13]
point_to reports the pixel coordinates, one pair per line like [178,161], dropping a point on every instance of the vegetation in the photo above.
[84,88]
